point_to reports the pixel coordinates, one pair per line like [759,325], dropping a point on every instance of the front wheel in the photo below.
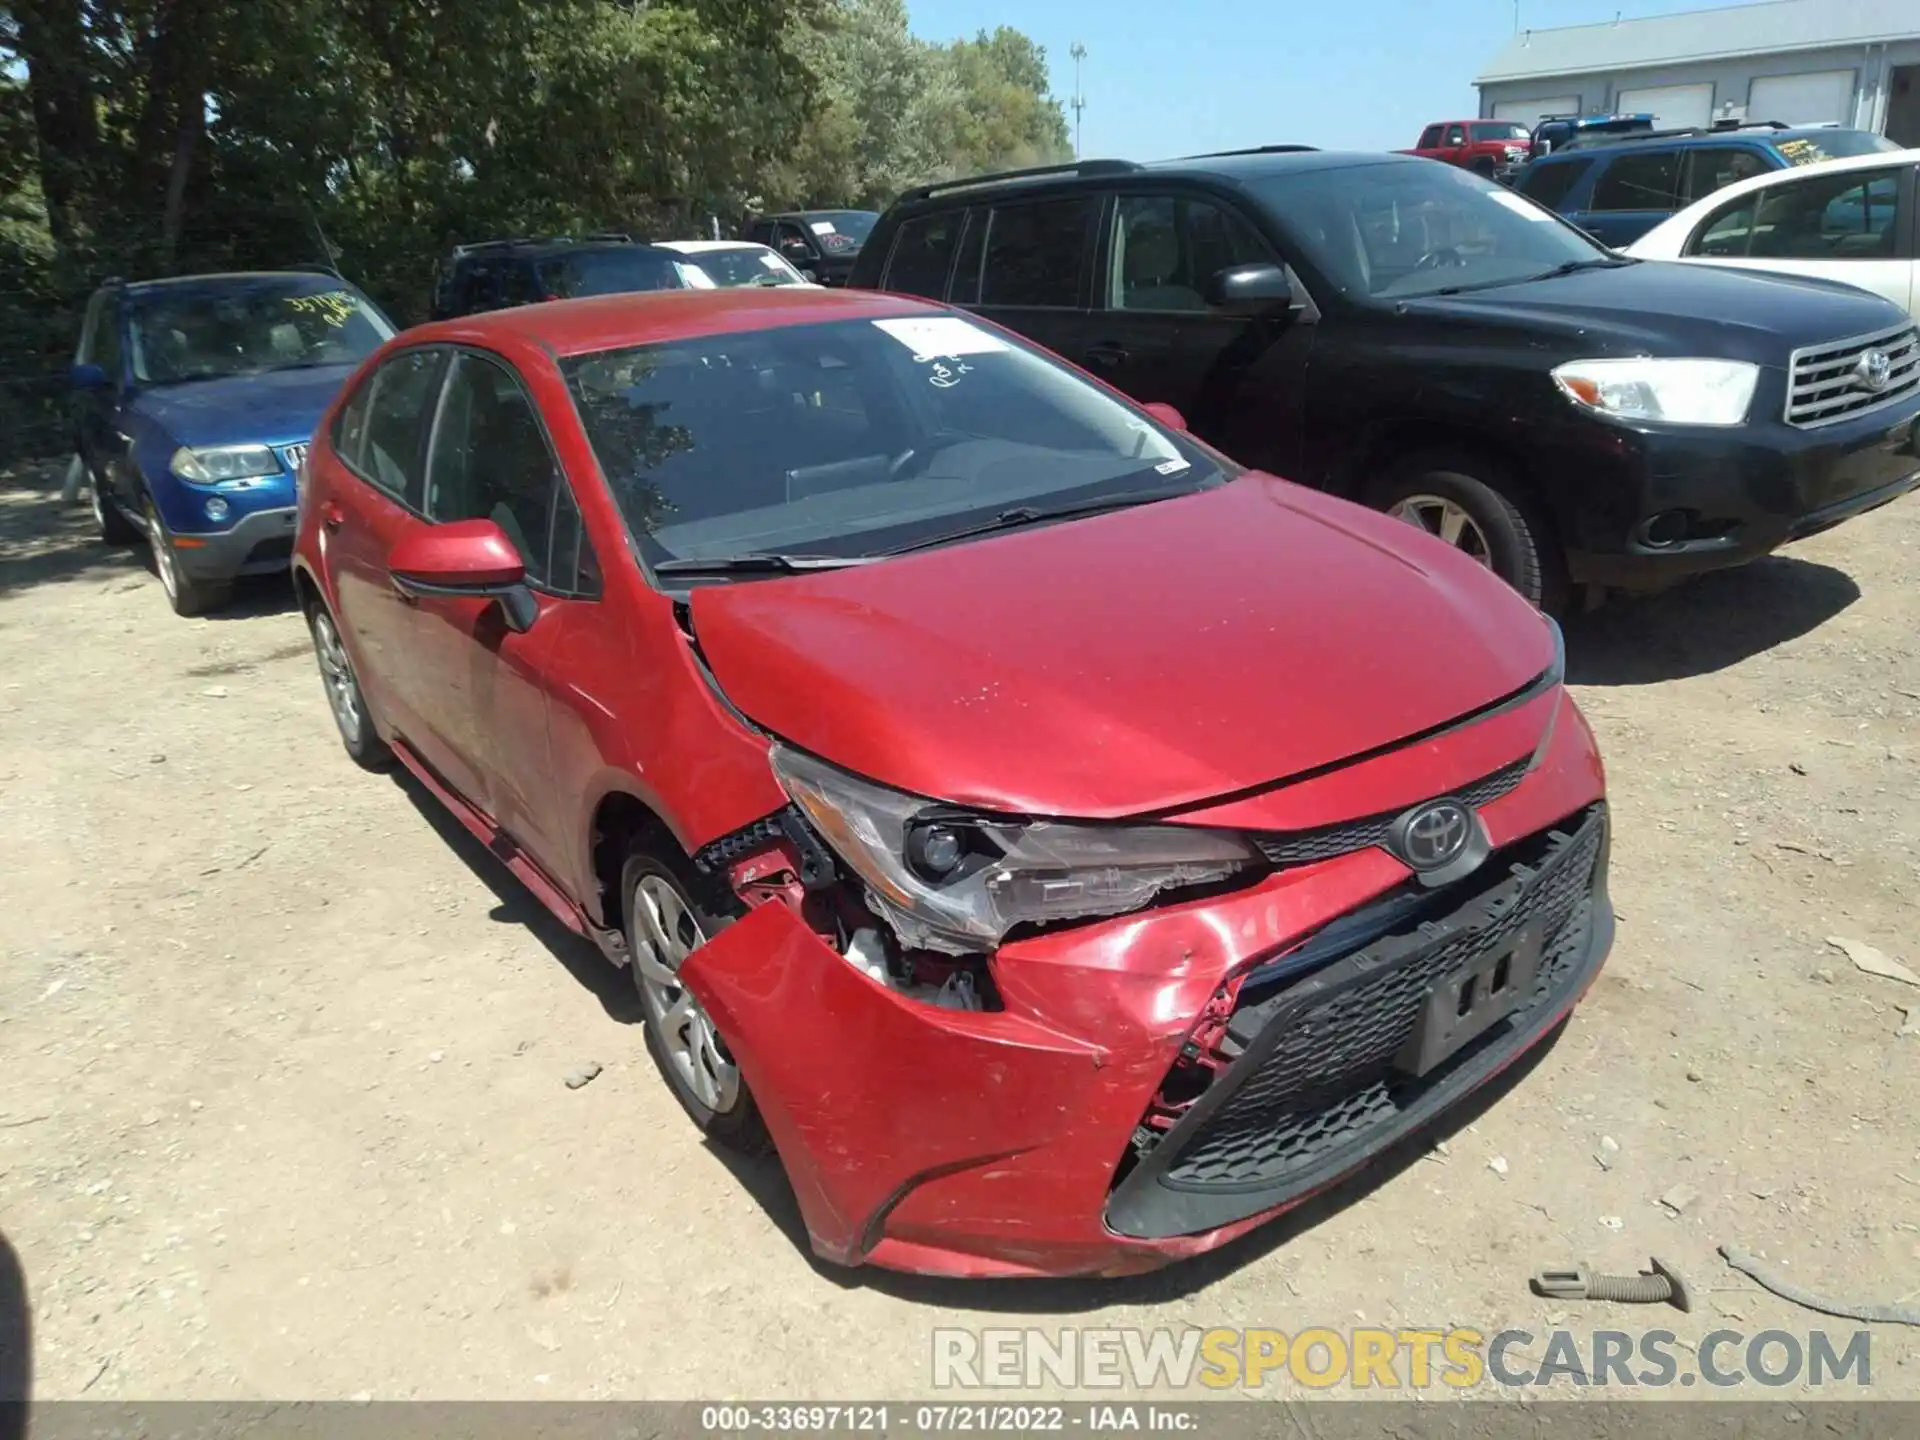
[665,925]
[187,595]
[1473,506]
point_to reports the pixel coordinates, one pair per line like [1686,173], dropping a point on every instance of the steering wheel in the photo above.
[1442,257]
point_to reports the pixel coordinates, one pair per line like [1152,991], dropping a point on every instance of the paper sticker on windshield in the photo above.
[1170,467]
[334,308]
[1525,209]
[821,227]
[941,336]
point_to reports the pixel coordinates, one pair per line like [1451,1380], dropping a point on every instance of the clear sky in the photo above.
[1164,78]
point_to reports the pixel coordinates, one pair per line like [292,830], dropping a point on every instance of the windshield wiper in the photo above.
[1596,262]
[1033,514]
[758,564]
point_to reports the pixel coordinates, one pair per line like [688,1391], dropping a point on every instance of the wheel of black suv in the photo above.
[114,527]
[187,595]
[666,924]
[1475,507]
[350,714]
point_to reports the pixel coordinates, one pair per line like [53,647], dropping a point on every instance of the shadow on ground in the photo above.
[516,906]
[44,541]
[16,1344]
[1706,624]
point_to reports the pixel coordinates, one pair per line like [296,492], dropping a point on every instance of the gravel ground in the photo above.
[282,1110]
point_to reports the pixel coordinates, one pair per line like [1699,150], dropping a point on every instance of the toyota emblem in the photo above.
[1433,835]
[1873,370]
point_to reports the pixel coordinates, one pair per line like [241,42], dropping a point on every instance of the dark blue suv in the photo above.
[193,400]
[1617,187]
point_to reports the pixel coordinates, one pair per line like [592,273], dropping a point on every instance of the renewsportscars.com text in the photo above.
[1397,1359]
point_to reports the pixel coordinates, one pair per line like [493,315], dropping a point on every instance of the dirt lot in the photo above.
[281,1050]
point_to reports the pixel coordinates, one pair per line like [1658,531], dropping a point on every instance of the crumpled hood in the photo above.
[272,407]
[1660,307]
[1131,662]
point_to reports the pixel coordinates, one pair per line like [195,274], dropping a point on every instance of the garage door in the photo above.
[1816,99]
[1530,112]
[1670,105]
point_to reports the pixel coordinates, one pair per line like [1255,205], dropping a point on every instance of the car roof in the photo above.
[613,322]
[697,247]
[1234,166]
[217,279]
[1685,219]
[1630,141]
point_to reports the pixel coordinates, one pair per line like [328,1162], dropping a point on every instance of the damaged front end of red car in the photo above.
[1103,1096]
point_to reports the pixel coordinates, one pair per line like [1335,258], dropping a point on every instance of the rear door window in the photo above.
[1037,253]
[923,254]
[1429,138]
[1643,180]
[1551,184]
[1714,167]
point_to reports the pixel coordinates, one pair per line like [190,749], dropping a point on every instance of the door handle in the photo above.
[1107,354]
[333,517]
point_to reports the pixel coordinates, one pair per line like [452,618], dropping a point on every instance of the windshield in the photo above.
[743,265]
[1831,145]
[608,272]
[854,437]
[1417,228]
[1499,130]
[250,326]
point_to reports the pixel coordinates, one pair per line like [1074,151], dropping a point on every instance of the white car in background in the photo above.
[721,264]
[1852,220]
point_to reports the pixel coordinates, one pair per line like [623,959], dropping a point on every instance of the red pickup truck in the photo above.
[1494,148]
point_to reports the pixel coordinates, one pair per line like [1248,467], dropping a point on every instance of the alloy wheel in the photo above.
[336,672]
[666,932]
[163,561]
[1447,520]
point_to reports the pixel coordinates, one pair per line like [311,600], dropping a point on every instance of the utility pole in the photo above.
[1079,53]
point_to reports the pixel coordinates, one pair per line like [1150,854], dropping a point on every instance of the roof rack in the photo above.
[1682,132]
[1253,150]
[1037,172]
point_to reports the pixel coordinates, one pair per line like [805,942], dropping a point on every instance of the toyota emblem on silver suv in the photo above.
[1873,370]
[1433,835]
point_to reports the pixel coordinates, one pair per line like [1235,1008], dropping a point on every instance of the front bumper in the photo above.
[994,1143]
[260,542]
[1653,506]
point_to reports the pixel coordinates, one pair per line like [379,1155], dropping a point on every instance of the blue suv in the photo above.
[193,400]
[1617,187]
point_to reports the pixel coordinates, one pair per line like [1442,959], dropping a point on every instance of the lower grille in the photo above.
[1837,381]
[1317,1089]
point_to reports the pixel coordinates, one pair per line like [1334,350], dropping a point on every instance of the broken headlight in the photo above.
[957,881]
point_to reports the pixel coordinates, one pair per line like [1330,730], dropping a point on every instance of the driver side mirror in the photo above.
[1249,290]
[1166,415]
[465,558]
[88,376]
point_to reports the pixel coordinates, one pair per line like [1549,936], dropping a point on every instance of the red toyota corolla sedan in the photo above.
[1067,849]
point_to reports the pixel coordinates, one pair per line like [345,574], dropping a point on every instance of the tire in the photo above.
[114,527]
[348,705]
[187,595]
[692,1057]
[1504,530]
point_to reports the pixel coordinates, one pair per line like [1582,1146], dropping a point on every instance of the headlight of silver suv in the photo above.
[957,881]
[1671,391]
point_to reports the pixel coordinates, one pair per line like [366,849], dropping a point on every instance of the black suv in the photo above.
[495,274]
[821,244]
[1414,336]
